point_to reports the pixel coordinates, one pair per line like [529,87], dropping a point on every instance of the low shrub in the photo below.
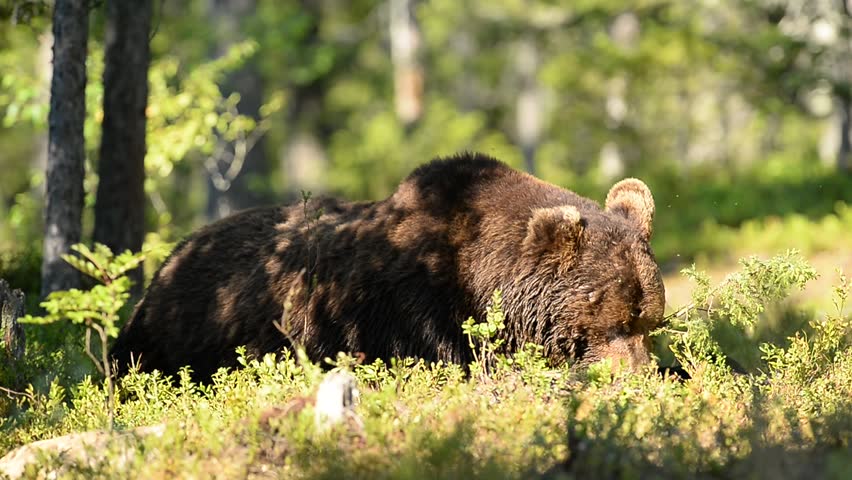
[789,416]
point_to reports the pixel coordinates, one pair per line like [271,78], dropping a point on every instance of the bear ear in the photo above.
[554,229]
[632,199]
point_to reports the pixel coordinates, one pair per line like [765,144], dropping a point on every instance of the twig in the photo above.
[684,310]
[89,353]
[234,161]
[105,278]
[282,325]
[692,306]
[107,375]
[11,392]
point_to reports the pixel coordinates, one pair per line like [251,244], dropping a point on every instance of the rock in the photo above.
[336,399]
[87,448]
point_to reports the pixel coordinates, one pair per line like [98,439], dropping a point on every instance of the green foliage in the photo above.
[375,137]
[491,362]
[786,203]
[188,120]
[809,235]
[420,420]
[742,296]
[40,415]
[738,300]
[98,308]
[813,363]
[187,112]
[483,337]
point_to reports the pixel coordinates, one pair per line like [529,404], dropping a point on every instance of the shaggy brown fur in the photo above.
[398,277]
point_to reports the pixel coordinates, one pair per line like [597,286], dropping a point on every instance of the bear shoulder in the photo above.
[452,180]
[458,172]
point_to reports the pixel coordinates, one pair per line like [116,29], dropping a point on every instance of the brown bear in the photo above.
[397,277]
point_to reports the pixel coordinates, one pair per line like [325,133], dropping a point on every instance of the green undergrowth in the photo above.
[505,416]
[712,214]
[810,235]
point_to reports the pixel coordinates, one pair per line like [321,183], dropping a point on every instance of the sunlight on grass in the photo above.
[519,418]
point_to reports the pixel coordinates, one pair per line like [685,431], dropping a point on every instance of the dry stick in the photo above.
[89,353]
[104,274]
[311,269]
[693,306]
[108,376]
[242,145]
[282,325]
[305,273]
[684,310]
[13,392]
[107,372]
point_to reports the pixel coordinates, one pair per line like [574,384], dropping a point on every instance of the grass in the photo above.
[431,422]
[789,416]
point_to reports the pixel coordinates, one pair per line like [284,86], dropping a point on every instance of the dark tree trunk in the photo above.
[120,201]
[303,158]
[844,151]
[239,193]
[11,332]
[66,146]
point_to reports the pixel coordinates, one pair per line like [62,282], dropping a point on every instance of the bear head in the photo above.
[604,293]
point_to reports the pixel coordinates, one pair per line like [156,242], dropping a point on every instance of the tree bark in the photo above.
[407,74]
[844,150]
[120,201]
[66,145]
[11,332]
[529,109]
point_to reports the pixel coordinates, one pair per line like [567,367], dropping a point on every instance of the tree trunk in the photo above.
[407,73]
[66,146]
[120,201]
[528,109]
[303,158]
[11,332]
[844,150]
[238,194]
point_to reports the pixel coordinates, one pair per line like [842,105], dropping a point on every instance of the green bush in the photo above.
[98,308]
[523,419]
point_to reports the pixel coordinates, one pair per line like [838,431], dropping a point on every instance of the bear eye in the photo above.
[594,297]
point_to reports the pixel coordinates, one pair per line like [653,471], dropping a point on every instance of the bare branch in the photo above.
[11,393]
[89,353]
[105,278]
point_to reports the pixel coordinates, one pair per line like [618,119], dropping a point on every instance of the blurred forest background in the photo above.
[735,112]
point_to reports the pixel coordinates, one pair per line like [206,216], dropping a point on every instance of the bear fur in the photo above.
[397,277]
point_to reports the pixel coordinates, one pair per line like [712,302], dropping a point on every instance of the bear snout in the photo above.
[632,351]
